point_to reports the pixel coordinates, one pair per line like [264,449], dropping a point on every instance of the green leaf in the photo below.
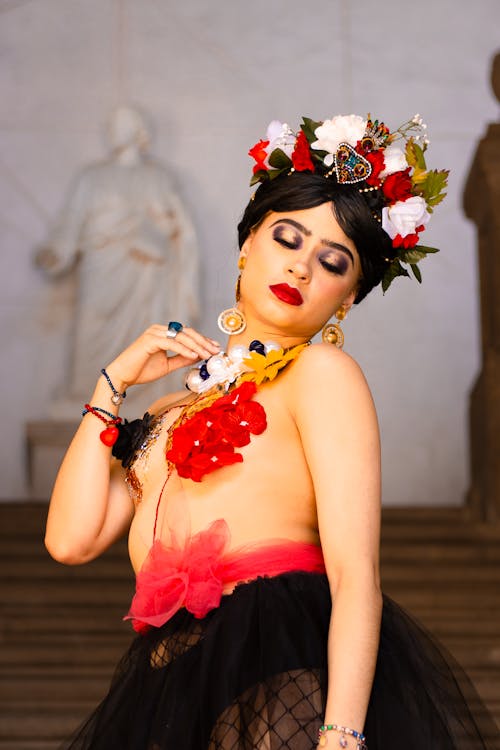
[395,269]
[309,126]
[412,255]
[416,273]
[414,155]
[279,160]
[261,176]
[426,249]
[433,185]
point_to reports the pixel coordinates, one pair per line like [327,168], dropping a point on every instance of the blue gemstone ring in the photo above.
[173,329]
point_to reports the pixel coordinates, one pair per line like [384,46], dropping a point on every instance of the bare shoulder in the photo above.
[328,381]
[325,363]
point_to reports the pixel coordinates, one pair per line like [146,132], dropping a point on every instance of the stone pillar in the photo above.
[482,205]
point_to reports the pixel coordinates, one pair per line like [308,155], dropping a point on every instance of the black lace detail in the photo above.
[130,438]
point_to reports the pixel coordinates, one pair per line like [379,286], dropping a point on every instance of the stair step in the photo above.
[35,568]
[61,629]
[68,655]
[49,592]
[29,744]
[46,690]
[42,724]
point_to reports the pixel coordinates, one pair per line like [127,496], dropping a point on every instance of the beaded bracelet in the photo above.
[109,435]
[98,408]
[323,739]
[117,397]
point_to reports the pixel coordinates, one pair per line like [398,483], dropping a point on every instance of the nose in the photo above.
[300,270]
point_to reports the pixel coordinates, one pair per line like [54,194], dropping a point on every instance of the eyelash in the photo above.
[330,268]
[293,246]
[285,243]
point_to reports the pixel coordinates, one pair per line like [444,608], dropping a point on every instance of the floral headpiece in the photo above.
[360,151]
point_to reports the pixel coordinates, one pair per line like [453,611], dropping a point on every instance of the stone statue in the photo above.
[482,205]
[133,247]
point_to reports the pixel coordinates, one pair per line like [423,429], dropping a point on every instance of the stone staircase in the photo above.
[61,631]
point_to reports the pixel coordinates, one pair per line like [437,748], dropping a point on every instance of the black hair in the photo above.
[353,210]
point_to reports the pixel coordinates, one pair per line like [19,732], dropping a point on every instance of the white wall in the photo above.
[212,74]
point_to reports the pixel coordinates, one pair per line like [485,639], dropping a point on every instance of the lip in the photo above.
[286,293]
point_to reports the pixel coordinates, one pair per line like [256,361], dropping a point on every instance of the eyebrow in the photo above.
[308,233]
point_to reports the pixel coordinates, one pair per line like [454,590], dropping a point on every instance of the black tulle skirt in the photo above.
[252,674]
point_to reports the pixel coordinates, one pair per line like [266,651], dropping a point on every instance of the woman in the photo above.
[253,502]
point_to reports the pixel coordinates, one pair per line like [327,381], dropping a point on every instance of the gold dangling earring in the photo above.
[232,320]
[332,333]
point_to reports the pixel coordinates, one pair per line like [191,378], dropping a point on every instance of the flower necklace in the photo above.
[204,437]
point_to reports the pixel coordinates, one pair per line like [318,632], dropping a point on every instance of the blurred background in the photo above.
[209,77]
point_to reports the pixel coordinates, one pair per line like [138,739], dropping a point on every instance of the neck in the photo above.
[252,333]
[128,156]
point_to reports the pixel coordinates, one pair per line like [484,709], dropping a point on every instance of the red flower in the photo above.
[410,240]
[397,186]
[205,462]
[406,242]
[301,156]
[259,153]
[376,159]
[207,440]
[192,433]
[186,575]
[244,419]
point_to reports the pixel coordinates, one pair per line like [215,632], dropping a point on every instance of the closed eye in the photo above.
[288,243]
[287,237]
[332,268]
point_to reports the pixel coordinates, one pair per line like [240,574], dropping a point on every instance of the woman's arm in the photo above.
[90,506]
[338,426]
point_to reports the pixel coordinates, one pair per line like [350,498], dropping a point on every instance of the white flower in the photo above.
[340,129]
[394,160]
[280,135]
[405,216]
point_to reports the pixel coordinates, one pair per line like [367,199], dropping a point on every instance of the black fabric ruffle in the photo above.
[131,435]
[253,674]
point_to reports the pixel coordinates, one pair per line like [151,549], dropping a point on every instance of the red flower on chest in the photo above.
[207,441]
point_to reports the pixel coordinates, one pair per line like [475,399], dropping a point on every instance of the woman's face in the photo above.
[300,268]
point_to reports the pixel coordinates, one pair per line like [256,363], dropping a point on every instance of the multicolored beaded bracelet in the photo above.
[323,739]
[109,435]
[117,397]
[102,411]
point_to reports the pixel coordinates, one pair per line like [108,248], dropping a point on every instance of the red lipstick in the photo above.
[286,293]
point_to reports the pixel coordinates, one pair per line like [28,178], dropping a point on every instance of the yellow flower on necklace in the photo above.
[267,366]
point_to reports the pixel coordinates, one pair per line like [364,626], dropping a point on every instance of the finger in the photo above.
[184,346]
[194,342]
[188,334]
[197,344]
[209,343]
[157,340]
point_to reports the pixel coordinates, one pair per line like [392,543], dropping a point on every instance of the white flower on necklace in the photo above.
[340,129]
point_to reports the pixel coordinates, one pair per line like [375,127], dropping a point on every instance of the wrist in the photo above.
[115,384]
[345,737]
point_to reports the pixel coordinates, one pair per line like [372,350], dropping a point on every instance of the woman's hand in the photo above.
[147,359]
